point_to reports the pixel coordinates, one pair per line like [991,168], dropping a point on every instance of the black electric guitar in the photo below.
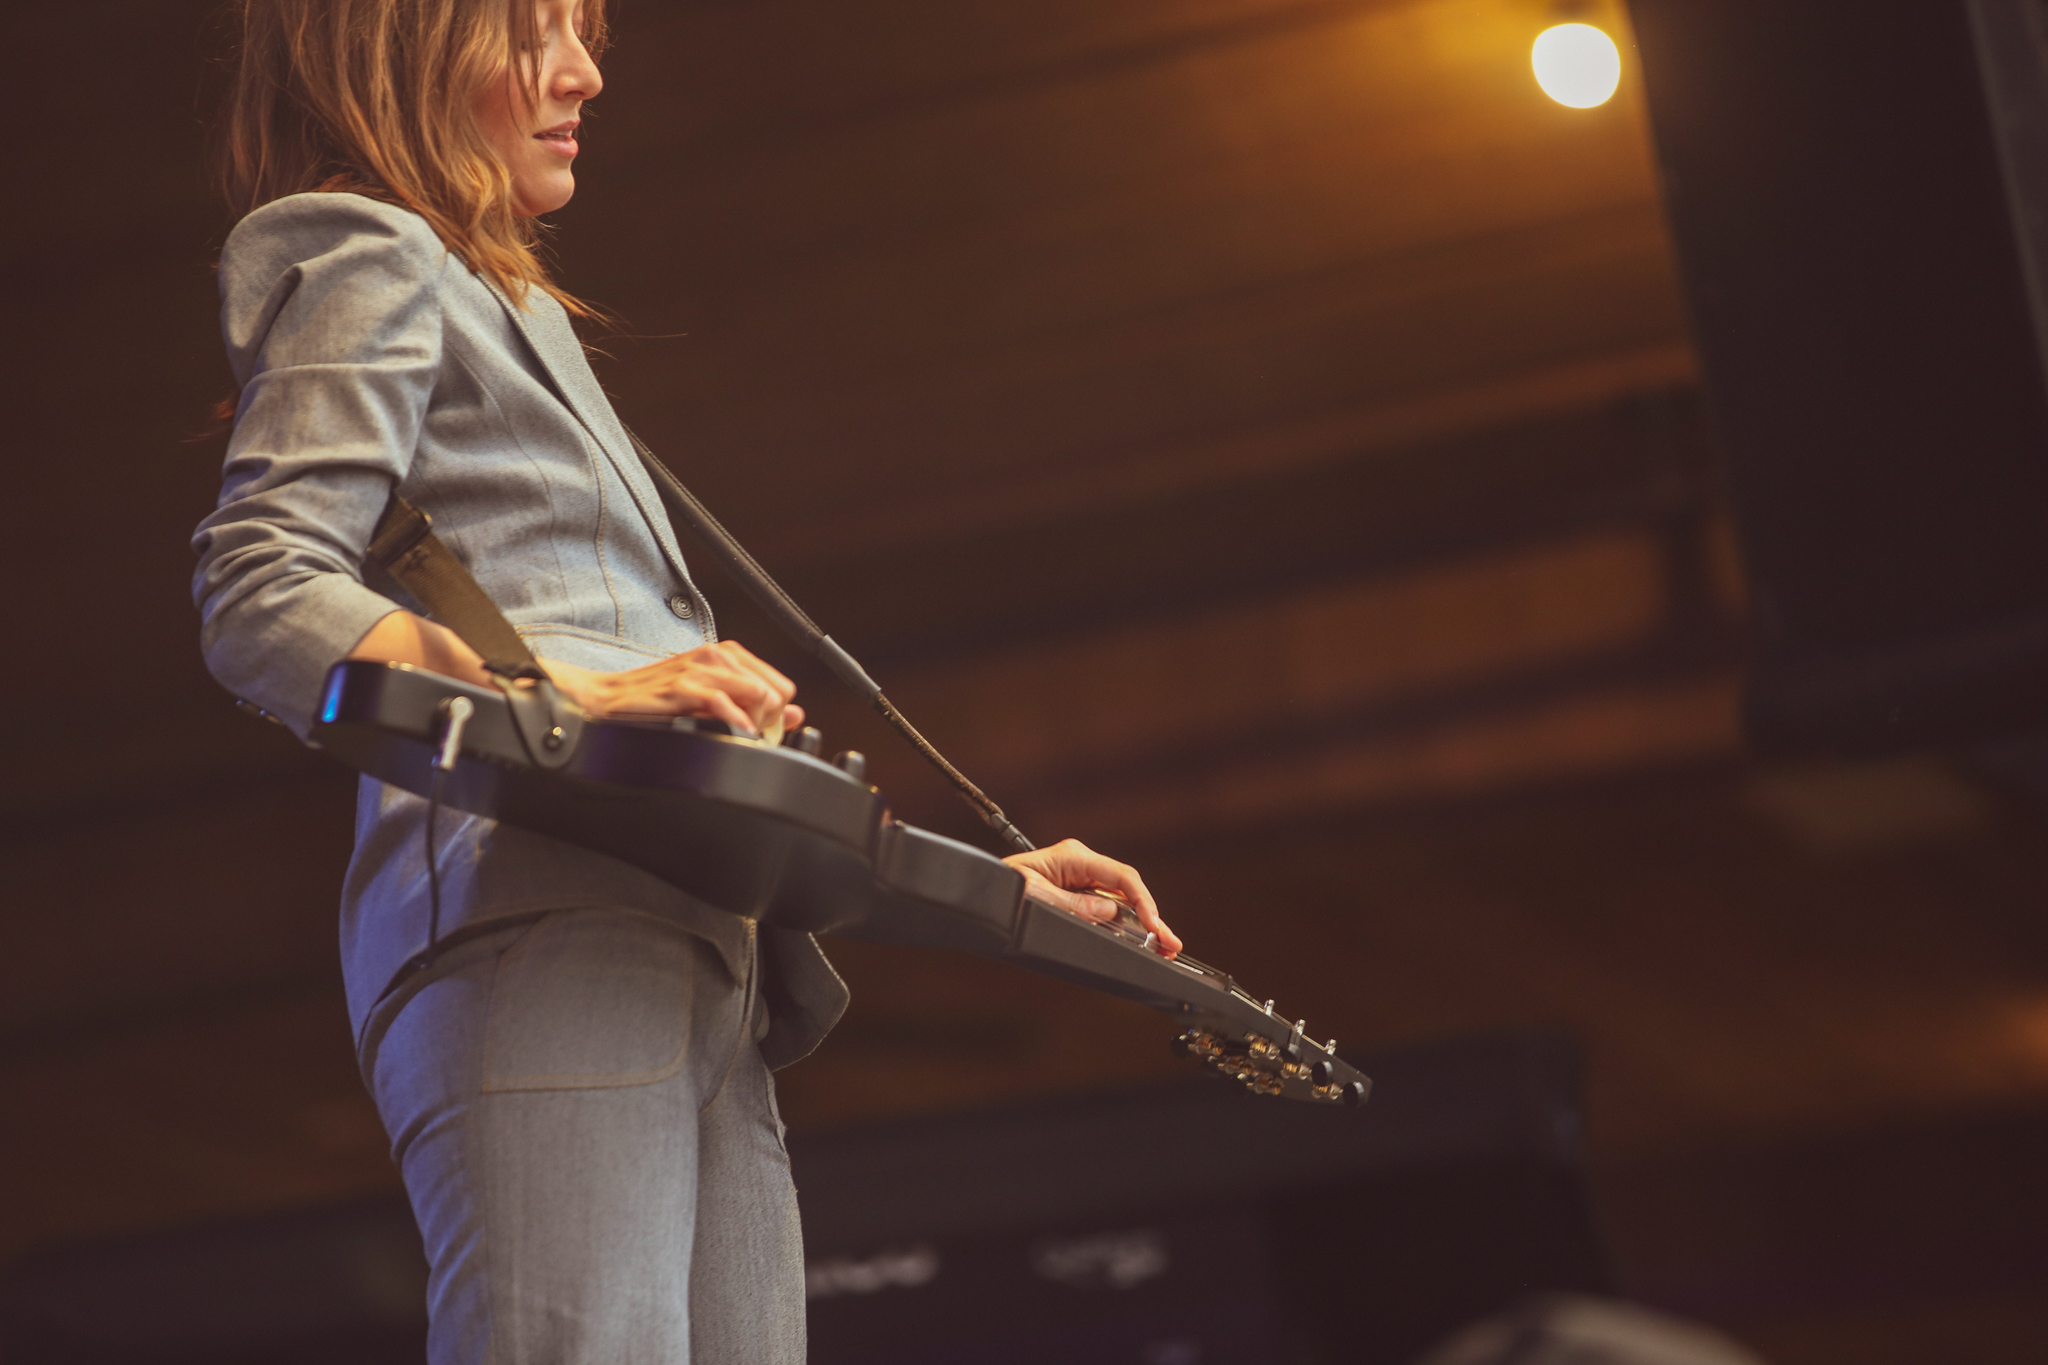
[777,833]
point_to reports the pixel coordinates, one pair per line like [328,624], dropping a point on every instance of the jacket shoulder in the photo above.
[332,265]
[300,227]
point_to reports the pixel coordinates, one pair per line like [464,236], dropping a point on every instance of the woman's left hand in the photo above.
[1062,874]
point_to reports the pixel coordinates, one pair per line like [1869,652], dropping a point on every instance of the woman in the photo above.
[578,1092]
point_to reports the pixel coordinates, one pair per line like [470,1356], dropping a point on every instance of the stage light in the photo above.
[1577,64]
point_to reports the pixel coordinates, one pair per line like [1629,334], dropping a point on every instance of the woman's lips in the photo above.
[560,138]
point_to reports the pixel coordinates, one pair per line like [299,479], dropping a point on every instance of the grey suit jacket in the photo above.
[371,358]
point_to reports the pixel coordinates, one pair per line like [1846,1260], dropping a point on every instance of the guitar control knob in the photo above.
[808,740]
[853,763]
[1321,1074]
[1354,1095]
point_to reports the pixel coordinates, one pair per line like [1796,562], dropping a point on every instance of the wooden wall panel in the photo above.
[1088,703]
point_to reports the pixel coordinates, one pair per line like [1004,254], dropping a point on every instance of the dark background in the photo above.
[1258,437]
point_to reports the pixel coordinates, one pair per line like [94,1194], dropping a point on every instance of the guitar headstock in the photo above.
[1242,1039]
[1296,1066]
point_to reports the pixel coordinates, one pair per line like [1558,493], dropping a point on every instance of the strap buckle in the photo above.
[549,724]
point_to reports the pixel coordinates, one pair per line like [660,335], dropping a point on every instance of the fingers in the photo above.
[702,691]
[755,693]
[1147,912]
[1083,866]
[1072,865]
[756,703]
[776,690]
[725,681]
[713,702]
[1092,908]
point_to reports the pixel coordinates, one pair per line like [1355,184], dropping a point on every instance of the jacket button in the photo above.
[680,605]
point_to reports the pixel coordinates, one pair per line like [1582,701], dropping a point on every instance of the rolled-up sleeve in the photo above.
[331,310]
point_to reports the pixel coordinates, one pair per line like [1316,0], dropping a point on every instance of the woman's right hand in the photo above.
[724,681]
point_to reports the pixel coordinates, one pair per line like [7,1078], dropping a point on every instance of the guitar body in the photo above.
[777,835]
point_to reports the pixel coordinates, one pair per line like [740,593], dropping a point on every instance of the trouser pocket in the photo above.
[590,998]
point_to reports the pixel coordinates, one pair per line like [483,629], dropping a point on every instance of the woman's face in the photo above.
[537,142]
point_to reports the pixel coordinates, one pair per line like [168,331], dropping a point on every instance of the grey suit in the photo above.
[371,358]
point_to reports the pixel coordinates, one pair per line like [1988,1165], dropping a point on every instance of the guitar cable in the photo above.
[433,866]
[791,619]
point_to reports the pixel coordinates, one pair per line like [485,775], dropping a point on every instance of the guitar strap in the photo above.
[405,548]
[686,511]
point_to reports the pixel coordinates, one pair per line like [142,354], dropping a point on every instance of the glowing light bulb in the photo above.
[1577,64]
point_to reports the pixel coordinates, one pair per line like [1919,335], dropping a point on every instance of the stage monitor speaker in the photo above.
[1858,194]
[1195,1223]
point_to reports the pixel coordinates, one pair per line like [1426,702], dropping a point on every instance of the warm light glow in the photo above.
[1577,64]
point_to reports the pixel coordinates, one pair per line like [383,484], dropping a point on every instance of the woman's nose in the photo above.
[577,78]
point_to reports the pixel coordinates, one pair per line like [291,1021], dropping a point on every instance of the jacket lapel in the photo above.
[554,344]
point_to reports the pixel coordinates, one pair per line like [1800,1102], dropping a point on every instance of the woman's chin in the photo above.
[543,195]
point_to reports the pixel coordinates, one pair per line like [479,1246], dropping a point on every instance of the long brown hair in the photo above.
[379,97]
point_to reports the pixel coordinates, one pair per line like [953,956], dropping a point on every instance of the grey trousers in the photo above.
[590,1141]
